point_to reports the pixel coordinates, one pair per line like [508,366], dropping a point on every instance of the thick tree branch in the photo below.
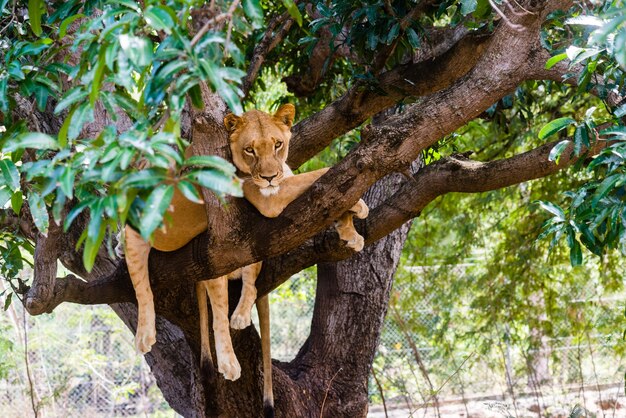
[452,55]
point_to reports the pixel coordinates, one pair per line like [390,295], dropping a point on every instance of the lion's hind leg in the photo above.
[137,252]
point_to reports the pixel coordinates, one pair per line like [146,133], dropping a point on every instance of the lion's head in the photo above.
[259,143]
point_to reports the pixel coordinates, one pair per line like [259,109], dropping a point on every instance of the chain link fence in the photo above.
[80,361]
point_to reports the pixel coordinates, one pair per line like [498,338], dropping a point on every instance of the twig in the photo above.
[27,363]
[418,358]
[514,26]
[217,19]
[327,390]
[270,40]
[380,390]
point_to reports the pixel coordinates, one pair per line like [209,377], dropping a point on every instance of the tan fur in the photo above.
[259,143]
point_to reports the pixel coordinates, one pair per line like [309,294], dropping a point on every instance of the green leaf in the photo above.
[468,6]
[7,301]
[66,181]
[393,33]
[4,97]
[97,77]
[555,60]
[138,49]
[64,129]
[159,18]
[195,93]
[82,114]
[557,150]
[66,23]
[414,40]
[35,140]
[156,205]
[575,252]
[92,245]
[217,181]
[553,209]
[620,51]
[16,202]
[34,16]
[293,11]
[190,192]
[581,139]
[252,9]
[69,98]
[604,188]
[555,126]
[39,212]
[210,161]
[10,174]
[5,196]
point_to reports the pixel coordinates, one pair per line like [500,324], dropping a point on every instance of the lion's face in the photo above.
[259,143]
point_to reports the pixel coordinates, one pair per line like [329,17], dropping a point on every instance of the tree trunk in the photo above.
[329,375]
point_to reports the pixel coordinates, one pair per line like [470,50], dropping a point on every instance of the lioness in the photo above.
[259,143]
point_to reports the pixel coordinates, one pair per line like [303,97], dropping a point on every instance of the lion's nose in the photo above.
[269,178]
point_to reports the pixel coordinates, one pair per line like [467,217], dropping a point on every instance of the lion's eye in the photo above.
[249,150]
[278,144]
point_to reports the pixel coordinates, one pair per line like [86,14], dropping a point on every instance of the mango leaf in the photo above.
[555,126]
[557,150]
[39,212]
[553,209]
[92,245]
[66,23]
[604,188]
[555,60]
[138,49]
[97,77]
[216,181]
[190,192]
[156,205]
[72,96]
[16,202]
[34,16]
[82,114]
[5,196]
[293,11]
[252,9]
[468,6]
[159,18]
[35,140]
[575,253]
[210,161]
[10,174]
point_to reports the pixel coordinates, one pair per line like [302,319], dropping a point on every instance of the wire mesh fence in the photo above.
[80,361]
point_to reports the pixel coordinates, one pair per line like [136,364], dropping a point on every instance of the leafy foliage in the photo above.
[137,61]
[594,217]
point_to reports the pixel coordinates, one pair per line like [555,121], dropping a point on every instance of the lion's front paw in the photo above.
[228,366]
[145,338]
[360,210]
[356,243]
[240,320]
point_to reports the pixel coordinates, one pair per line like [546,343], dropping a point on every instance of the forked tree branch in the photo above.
[190,264]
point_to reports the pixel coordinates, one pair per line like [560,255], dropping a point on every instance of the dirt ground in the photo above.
[609,402]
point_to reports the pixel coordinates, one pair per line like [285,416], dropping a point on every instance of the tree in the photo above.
[91,92]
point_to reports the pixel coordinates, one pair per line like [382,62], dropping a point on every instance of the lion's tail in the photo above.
[263,308]
[206,361]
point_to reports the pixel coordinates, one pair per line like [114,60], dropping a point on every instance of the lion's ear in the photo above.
[285,114]
[231,121]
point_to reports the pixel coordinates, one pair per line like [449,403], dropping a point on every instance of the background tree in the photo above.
[91,92]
